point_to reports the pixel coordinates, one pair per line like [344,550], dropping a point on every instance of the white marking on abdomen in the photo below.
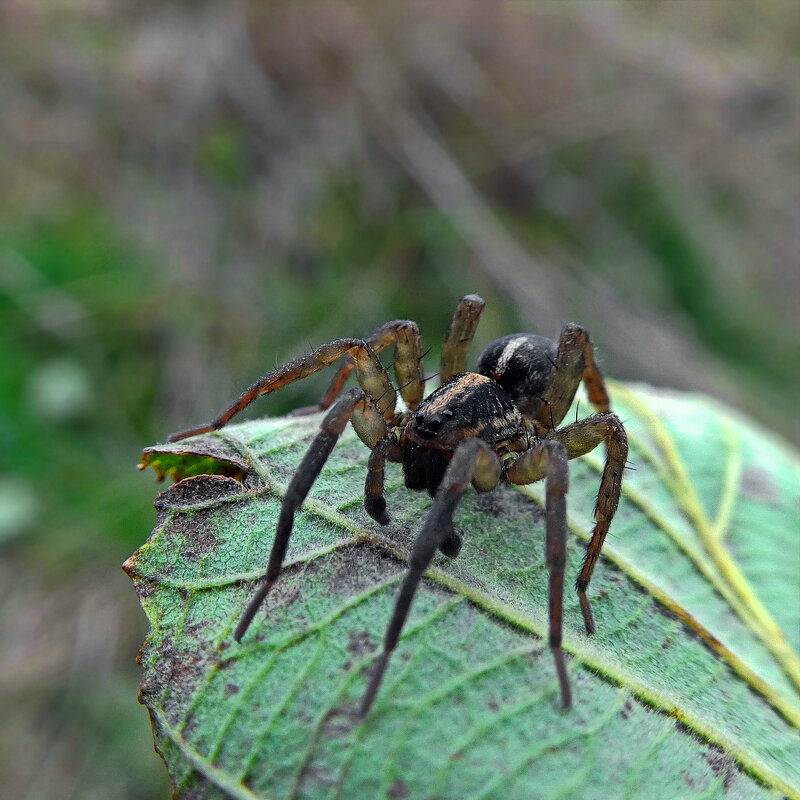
[508,354]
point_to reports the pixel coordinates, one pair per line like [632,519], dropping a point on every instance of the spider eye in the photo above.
[427,426]
[447,414]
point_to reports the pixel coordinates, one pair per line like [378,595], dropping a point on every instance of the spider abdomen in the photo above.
[522,363]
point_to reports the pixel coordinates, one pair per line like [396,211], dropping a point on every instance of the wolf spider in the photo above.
[497,424]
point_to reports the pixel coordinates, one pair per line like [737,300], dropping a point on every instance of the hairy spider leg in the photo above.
[574,362]
[549,460]
[579,438]
[471,457]
[371,375]
[404,334]
[459,338]
[556,487]
[307,472]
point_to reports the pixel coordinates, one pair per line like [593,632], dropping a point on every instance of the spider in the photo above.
[499,423]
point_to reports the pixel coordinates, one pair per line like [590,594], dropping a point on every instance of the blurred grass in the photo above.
[194,193]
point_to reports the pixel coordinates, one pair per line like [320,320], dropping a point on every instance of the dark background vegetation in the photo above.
[195,192]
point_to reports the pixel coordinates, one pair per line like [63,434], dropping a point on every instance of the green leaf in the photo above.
[688,689]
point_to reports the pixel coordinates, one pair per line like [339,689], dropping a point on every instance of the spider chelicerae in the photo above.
[499,423]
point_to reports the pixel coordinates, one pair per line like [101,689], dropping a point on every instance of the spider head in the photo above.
[428,426]
[522,364]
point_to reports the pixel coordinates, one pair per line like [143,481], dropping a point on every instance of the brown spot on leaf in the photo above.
[144,588]
[627,708]
[360,643]
[196,531]
[175,674]
[534,655]
[202,490]
[722,765]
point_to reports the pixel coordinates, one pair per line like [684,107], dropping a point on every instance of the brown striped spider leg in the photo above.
[404,334]
[370,372]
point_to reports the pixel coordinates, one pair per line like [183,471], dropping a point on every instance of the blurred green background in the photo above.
[196,192]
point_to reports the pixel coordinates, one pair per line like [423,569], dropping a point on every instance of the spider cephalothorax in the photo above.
[497,424]
[468,406]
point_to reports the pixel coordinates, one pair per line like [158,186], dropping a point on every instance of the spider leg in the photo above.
[574,362]
[374,501]
[579,438]
[549,460]
[307,472]
[404,334]
[473,456]
[331,393]
[372,378]
[459,338]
